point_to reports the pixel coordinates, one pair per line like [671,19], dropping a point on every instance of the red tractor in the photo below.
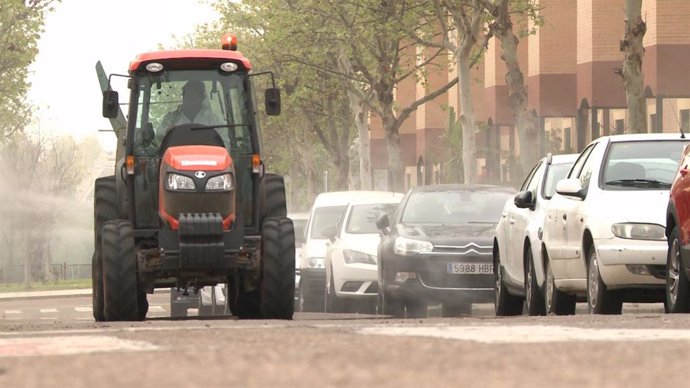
[189,204]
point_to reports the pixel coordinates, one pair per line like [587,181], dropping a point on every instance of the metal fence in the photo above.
[64,271]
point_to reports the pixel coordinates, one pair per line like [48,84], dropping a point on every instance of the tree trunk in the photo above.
[633,79]
[395,166]
[361,113]
[469,152]
[525,122]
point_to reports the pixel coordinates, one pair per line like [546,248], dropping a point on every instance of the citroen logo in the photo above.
[200,174]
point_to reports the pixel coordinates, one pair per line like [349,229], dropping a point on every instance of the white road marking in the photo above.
[156,309]
[13,311]
[83,309]
[530,334]
[46,311]
[68,345]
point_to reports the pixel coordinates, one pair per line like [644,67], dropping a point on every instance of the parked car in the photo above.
[351,274]
[437,248]
[604,233]
[325,213]
[518,265]
[678,236]
[299,221]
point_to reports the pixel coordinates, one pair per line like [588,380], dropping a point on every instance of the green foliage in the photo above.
[21,23]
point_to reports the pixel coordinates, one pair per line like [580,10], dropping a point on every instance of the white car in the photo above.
[518,265]
[299,221]
[604,231]
[350,261]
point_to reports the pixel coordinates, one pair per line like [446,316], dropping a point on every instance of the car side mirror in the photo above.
[383,222]
[111,104]
[571,187]
[272,101]
[525,200]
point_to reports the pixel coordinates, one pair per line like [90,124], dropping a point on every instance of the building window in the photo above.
[620,127]
[685,119]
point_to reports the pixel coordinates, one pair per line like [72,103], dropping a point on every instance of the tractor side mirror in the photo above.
[272,100]
[111,104]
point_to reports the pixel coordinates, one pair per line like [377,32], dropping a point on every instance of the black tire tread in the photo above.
[278,262]
[105,209]
[121,291]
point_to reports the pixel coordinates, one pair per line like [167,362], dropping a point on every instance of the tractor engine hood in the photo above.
[197,179]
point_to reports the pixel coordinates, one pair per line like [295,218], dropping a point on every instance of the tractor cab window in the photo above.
[209,99]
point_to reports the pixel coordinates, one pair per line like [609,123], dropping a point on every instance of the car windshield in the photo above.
[555,173]
[454,206]
[324,218]
[363,217]
[642,165]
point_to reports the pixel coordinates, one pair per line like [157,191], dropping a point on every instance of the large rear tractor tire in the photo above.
[273,202]
[121,295]
[104,209]
[278,262]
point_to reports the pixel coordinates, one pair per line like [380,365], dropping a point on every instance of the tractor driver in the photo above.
[195,108]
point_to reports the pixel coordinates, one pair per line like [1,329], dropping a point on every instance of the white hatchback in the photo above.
[518,264]
[351,264]
[604,229]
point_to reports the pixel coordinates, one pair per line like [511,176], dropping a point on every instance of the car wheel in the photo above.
[534,301]
[599,299]
[415,309]
[555,301]
[677,290]
[333,303]
[505,304]
[449,310]
[388,305]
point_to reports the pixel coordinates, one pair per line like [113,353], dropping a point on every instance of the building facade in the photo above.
[571,66]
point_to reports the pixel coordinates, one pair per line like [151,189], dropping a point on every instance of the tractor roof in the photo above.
[191,54]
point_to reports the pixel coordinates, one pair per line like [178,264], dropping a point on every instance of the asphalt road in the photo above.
[55,343]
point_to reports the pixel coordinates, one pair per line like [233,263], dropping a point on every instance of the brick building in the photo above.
[570,69]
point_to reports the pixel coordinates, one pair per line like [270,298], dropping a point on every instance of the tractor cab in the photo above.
[191,97]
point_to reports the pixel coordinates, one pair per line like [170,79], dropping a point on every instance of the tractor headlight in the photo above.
[220,183]
[180,182]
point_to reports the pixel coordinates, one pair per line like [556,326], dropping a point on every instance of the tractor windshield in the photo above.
[208,98]
[216,101]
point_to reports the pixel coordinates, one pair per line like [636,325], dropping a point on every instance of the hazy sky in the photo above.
[81,32]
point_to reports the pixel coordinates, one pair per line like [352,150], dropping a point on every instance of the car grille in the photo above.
[470,249]
[435,275]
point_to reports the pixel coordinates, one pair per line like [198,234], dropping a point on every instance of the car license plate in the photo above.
[470,268]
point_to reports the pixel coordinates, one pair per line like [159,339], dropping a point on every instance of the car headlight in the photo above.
[180,182]
[315,262]
[352,257]
[639,231]
[220,183]
[405,246]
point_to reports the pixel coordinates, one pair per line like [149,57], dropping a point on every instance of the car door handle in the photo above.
[511,221]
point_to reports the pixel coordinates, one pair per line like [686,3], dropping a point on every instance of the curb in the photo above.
[44,294]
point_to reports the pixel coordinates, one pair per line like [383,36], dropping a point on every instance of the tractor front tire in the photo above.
[121,294]
[278,266]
